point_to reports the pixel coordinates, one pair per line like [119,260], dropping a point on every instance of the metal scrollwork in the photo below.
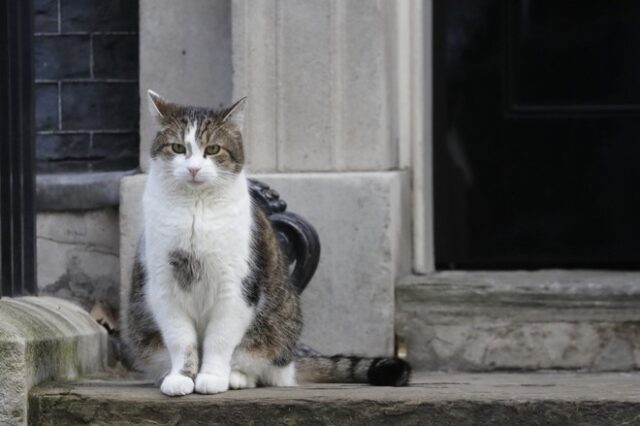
[298,238]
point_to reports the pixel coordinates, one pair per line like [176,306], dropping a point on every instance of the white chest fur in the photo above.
[212,226]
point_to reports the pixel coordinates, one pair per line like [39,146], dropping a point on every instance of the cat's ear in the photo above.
[235,113]
[161,107]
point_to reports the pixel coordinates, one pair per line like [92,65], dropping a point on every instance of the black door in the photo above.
[537,134]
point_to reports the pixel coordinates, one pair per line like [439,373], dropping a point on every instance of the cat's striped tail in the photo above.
[352,369]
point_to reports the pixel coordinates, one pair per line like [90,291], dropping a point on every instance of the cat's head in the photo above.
[197,147]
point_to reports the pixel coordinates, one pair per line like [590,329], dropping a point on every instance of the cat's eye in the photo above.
[178,148]
[212,149]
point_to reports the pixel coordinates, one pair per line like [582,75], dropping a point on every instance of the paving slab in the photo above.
[432,399]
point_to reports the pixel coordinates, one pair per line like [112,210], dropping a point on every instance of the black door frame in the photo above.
[17,177]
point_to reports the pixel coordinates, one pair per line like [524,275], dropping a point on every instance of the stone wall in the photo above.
[86,94]
[185,55]
[86,98]
[78,256]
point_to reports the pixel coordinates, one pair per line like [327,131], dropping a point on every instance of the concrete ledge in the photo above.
[434,399]
[78,191]
[521,320]
[43,338]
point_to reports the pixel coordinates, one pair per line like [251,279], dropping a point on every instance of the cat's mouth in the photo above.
[195,182]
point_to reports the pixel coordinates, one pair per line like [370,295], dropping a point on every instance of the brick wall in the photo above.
[86,91]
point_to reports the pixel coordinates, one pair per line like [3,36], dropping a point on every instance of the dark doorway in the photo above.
[537,134]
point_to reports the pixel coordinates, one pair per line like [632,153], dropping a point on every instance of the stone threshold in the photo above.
[549,398]
[569,292]
[492,321]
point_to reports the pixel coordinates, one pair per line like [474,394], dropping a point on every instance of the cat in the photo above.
[211,306]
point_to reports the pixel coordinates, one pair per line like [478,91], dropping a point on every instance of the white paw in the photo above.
[280,376]
[239,380]
[211,383]
[176,385]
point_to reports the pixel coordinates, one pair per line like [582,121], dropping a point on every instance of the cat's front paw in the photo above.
[176,385]
[240,380]
[211,383]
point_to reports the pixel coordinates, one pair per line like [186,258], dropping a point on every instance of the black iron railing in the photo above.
[298,238]
[17,179]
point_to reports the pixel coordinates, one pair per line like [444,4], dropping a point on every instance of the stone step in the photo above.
[485,321]
[441,399]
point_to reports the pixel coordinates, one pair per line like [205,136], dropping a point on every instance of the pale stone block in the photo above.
[366,99]
[304,114]
[255,76]
[364,227]
[131,225]
[185,55]
[43,338]
[78,256]
[320,80]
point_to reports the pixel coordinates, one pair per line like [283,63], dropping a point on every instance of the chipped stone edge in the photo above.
[43,338]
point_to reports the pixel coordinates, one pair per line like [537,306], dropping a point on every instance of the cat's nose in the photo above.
[193,170]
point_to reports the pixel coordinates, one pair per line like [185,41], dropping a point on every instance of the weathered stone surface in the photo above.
[86,70]
[521,320]
[437,399]
[319,80]
[45,16]
[59,147]
[185,55]
[115,56]
[99,106]
[84,16]
[58,57]
[363,224]
[46,106]
[78,256]
[43,338]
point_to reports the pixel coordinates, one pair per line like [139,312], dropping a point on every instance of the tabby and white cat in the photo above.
[211,306]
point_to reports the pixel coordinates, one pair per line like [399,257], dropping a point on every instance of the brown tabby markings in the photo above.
[190,367]
[187,269]
[278,323]
[142,330]
[212,129]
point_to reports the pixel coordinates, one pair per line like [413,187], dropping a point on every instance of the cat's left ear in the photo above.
[161,107]
[235,113]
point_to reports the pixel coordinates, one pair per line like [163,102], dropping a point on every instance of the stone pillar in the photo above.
[185,55]
[321,79]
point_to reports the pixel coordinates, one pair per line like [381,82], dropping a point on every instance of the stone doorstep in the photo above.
[495,399]
[43,338]
[479,321]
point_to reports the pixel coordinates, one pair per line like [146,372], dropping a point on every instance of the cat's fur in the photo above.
[211,306]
